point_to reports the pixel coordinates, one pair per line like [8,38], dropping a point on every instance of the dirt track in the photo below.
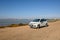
[52,32]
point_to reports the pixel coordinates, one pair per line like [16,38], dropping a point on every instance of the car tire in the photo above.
[46,24]
[38,25]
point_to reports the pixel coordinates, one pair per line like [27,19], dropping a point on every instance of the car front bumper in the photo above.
[33,26]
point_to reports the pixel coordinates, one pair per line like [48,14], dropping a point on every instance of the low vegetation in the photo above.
[14,25]
[53,20]
[2,26]
[21,24]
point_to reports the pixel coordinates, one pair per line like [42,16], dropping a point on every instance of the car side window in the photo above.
[42,20]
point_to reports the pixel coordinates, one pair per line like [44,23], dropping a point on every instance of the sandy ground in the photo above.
[52,32]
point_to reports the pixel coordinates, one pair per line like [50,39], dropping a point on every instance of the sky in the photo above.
[29,9]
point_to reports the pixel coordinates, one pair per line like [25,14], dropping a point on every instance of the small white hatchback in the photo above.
[38,23]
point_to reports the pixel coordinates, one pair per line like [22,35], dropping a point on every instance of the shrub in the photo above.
[2,26]
[13,25]
[22,24]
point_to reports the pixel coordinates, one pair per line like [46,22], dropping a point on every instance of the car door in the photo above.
[42,22]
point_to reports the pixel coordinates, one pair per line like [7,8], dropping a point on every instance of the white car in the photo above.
[37,23]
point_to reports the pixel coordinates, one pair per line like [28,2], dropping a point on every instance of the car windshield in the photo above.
[36,20]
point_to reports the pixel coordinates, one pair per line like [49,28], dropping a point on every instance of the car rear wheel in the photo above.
[46,24]
[39,26]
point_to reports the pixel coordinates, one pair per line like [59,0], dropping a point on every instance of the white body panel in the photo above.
[35,24]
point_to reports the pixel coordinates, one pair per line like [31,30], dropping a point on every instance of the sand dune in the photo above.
[52,32]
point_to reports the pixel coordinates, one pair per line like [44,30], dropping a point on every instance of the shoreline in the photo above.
[13,25]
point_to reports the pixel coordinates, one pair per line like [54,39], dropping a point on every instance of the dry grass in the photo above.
[14,25]
[2,26]
[53,20]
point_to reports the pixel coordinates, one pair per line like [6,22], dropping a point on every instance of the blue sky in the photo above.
[29,9]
